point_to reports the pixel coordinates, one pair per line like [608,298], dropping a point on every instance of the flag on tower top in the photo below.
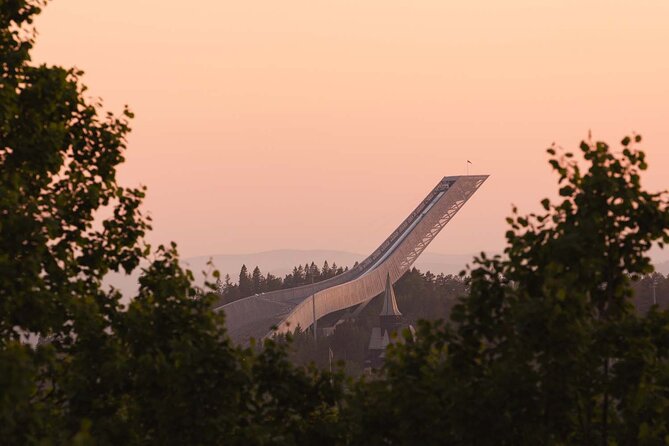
[469,162]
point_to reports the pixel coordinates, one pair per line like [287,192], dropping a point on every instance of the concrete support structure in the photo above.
[283,310]
[390,321]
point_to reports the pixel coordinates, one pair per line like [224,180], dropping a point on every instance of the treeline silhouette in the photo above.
[256,282]
[545,346]
[420,296]
[429,297]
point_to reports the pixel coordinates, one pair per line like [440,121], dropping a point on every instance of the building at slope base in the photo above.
[391,324]
[279,312]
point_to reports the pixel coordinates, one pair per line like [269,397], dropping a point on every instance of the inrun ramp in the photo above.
[281,311]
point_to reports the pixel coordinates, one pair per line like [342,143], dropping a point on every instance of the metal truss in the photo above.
[284,310]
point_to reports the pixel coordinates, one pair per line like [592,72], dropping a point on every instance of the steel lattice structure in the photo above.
[283,310]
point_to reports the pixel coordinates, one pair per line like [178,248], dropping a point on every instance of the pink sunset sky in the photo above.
[321,124]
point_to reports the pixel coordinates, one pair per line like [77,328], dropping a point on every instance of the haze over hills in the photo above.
[663,267]
[281,262]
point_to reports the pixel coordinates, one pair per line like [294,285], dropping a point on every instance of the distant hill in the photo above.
[278,262]
[443,263]
[281,262]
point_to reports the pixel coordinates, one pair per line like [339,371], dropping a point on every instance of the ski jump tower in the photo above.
[281,311]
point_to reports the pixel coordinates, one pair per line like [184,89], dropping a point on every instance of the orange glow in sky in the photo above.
[321,124]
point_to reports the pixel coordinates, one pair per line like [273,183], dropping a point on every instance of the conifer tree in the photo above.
[245,285]
[314,272]
[257,281]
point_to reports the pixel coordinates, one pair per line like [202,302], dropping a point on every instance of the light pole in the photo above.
[313,307]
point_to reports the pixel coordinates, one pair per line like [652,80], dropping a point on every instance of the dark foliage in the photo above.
[419,296]
[257,283]
[546,348]
[160,370]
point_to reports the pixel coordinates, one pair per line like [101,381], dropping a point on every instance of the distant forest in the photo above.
[413,284]
[257,282]
[420,295]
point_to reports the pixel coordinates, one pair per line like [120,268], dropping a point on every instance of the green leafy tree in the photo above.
[547,348]
[58,157]
[160,370]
